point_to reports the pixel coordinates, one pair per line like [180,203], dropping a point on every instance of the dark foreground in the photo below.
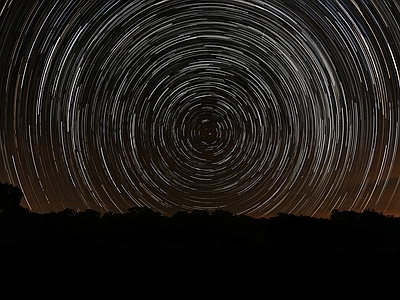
[88,256]
[188,271]
[141,254]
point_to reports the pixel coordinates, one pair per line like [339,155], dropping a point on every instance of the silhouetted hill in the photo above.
[142,227]
[111,252]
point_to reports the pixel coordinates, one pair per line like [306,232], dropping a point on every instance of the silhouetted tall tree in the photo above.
[10,197]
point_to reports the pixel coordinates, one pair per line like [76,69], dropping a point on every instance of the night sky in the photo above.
[256,107]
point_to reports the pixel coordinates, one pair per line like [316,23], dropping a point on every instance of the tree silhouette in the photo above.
[10,197]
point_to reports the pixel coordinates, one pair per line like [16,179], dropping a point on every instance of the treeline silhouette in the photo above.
[141,227]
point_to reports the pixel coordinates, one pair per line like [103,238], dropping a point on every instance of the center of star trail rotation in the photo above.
[256,107]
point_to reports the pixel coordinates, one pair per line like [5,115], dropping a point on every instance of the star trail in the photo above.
[256,107]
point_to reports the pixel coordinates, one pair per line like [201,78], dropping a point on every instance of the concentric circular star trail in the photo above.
[256,107]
